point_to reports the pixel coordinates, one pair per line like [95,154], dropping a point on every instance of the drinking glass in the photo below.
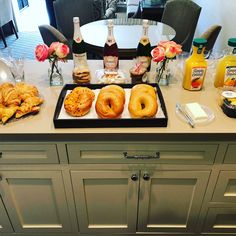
[181,58]
[17,69]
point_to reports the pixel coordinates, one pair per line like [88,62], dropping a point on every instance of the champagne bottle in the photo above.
[78,45]
[110,51]
[144,48]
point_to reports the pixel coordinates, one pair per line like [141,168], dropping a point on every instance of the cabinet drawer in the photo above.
[225,190]
[220,220]
[173,153]
[28,153]
[230,156]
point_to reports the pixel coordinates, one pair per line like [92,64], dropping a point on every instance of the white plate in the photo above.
[104,77]
[209,112]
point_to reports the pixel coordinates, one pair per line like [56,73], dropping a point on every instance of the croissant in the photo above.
[25,91]
[7,113]
[29,106]
[10,96]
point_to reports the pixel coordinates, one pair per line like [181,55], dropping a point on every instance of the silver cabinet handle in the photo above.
[157,156]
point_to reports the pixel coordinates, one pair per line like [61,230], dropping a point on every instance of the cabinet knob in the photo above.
[134,177]
[146,176]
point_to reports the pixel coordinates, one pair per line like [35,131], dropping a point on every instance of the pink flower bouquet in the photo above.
[165,50]
[56,52]
[162,53]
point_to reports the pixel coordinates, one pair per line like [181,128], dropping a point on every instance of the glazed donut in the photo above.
[142,105]
[79,101]
[144,88]
[143,101]
[110,102]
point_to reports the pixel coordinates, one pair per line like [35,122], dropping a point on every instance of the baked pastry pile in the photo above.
[81,75]
[18,100]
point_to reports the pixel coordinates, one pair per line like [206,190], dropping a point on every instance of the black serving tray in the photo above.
[101,123]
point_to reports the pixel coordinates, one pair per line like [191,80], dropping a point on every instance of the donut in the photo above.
[144,88]
[143,101]
[79,101]
[110,102]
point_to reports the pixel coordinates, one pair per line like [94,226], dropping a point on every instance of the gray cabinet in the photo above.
[221,214]
[106,201]
[15,153]
[138,201]
[170,201]
[168,153]
[225,190]
[220,220]
[5,225]
[35,201]
[230,156]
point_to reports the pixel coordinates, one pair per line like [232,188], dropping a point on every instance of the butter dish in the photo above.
[198,113]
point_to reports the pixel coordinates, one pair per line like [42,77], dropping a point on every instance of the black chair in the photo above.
[211,35]
[183,16]
[65,10]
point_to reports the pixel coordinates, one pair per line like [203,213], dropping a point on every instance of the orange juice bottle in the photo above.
[195,66]
[226,68]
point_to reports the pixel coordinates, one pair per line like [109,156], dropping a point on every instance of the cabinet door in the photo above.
[106,201]
[35,201]
[5,225]
[170,200]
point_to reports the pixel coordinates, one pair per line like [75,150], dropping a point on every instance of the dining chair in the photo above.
[183,16]
[65,10]
[51,34]
[211,35]
[6,17]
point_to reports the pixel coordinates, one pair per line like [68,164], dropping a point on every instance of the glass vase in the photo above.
[163,73]
[54,73]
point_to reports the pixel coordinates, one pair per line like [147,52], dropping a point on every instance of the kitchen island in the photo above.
[146,180]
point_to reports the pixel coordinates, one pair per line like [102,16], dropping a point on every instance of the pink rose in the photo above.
[62,50]
[171,48]
[158,54]
[53,47]
[41,52]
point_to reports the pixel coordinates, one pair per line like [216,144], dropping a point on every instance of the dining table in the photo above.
[127,33]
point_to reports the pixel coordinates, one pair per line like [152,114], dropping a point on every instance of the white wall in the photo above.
[222,12]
